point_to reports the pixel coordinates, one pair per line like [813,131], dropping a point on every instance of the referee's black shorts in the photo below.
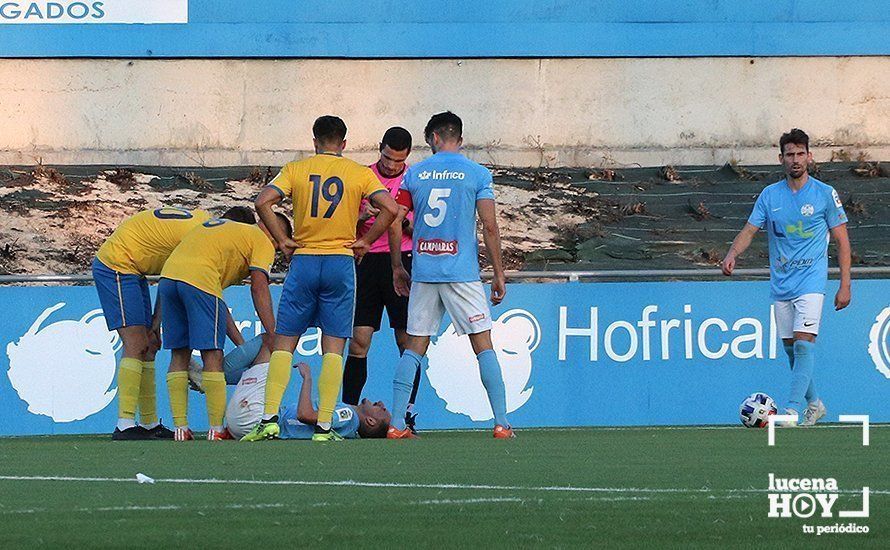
[374,292]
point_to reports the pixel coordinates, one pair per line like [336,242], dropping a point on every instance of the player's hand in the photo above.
[401,281]
[287,247]
[842,298]
[359,247]
[372,212]
[498,289]
[154,339]
[304,370]
[728,264]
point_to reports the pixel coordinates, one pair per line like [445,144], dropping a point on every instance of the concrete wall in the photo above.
[516,111]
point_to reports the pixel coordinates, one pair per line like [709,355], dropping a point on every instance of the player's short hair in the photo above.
[397,139]
[795,136]
[448,125]
[329,129]
[288,228]
[376,432]
[241,214]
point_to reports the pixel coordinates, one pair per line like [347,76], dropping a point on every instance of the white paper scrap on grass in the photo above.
[25,12]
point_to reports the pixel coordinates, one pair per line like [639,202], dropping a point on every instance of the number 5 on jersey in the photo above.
[436,202]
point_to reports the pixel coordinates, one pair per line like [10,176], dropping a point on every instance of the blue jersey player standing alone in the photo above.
[445,192]
[798,214]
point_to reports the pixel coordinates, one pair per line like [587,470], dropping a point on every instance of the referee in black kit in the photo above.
[374,286]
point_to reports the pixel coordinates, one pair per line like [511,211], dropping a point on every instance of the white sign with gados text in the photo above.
[23,12]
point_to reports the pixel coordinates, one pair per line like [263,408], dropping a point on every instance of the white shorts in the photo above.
[465,303]
[802,314]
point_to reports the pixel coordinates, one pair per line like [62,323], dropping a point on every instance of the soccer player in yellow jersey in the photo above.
[138,247]
[326,190]
[211,257]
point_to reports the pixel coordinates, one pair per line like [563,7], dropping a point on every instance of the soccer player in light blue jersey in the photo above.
[247,367]
[446,191]
[798,214]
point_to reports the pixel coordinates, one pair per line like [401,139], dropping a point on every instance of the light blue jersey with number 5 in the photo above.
[444,189]
[797,226]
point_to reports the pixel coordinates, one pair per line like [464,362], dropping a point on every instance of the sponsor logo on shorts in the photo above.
[476,318]
[436,247]
[246,381]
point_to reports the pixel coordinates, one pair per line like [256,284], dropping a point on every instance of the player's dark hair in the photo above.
[241,214]
[329,129]
[376,432]
[288,228]
[795,136]
[397,139]
[448,125]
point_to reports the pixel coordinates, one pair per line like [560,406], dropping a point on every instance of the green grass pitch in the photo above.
[660,487]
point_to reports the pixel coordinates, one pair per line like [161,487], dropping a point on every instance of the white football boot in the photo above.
[789,423]
[814,411]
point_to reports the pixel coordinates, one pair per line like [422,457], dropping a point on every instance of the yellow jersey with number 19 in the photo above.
[218,254]
[142,243]
[327,192]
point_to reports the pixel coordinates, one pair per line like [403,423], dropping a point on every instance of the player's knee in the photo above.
[481,341]
[804,337]
[136,345]
[359,345]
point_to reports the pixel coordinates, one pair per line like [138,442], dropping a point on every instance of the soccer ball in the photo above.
[755,410]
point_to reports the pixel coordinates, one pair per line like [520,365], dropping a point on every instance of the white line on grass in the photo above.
[391,485]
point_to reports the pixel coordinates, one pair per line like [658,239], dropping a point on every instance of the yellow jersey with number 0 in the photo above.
[142,243]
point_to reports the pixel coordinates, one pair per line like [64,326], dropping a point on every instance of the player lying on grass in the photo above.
[248,367]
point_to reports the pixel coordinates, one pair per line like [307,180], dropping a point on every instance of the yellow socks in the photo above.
[215,392]
[329,383]
[276,381]
[148,405]
[178,388]
[129,374]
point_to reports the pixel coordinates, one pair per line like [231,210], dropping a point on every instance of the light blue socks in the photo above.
[490,371]
[401,387]
[803,390]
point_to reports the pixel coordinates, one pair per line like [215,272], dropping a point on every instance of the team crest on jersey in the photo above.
[436,247]
[807,210]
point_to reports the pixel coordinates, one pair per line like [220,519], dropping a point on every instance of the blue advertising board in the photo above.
[575,354]
[458,28]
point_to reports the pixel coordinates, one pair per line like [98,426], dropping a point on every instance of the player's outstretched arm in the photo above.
[741,243]
[840,236]
[232,330]
[306,413]
[491,236]
[267,198]
[262,302]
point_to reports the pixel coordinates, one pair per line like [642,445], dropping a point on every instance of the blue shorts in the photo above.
[191,318]
[124,297]
[319,291]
